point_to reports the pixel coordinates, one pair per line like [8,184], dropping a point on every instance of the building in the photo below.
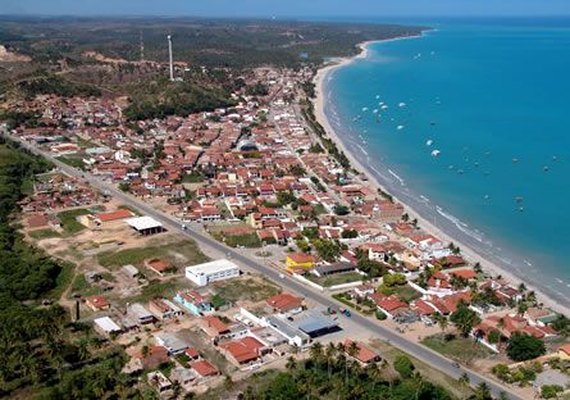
[194,302]
[335,268]
[294,336]
[158,266]
[364,354]
[183,375]
[204,368]
[138,314]
[97,303]
[159,381]
[202,274]
[130,271]
[316,324]
[172,343]
[145,225]
[244,350]
[296,261]
[285,303]
[106,326]
[164,309]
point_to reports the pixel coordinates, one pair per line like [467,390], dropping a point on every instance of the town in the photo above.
[261,178]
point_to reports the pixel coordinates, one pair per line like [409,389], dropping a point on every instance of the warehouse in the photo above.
[145,225]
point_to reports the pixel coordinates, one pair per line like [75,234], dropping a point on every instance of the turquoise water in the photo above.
[494,100]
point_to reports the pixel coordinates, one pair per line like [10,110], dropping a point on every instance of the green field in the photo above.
[188,249]
[464,350]
[43,234]
[246,289]
[69,222]
[405,292]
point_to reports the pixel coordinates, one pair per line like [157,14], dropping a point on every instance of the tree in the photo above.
[493,336]
[522,347]
[464,319]
[340,209]
[441,320]
[482,392]
[550,391]
[404,366]
[391,280]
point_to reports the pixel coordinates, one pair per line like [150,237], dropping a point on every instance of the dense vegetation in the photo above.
[330,374]
[207,42]
[57,85]
[161,98]
[42,355]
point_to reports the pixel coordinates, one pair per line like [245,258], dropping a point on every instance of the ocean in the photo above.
[470,126]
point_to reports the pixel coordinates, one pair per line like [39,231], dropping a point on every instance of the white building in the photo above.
[202,274]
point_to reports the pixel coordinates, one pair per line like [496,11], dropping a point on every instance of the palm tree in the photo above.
[291,364]
[330,354]
[464,379]
[522,308]
[522,287]
[482,392]
[441,320]
[316,352]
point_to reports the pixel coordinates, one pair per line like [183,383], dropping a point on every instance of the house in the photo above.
[244,350]
[192,353]
[295,261]
[183,376]
[204,368]
[335,268]
[130,271]
[214,326]
[117,215]
[155,356]
[158,266]
[564,352]
[106,326]
[160,382]
[285,303]
[172,343]
[97,303]
[389,305]
[364,354]
[138,314]
[164,309]
[194,302]
[202,274]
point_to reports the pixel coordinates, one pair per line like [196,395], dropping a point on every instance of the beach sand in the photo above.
[468,253]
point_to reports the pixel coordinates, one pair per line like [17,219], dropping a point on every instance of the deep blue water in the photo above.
[495,100]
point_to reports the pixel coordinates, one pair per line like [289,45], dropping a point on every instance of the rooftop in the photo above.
[212,267]
[143,223]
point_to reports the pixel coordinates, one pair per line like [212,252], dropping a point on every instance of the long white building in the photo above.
[202,274]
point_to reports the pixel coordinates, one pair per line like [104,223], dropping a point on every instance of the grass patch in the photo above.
[193,177]
[43,234]
[156,288]
[336,279]
[69,222]
[63,280]
[462,349]
[246,289]
[255,380]
[405,292]
[251,241]
[75,162]
[81,287]
[390,353]
[136,256]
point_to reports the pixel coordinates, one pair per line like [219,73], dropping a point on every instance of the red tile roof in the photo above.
[204,368]
[284,302]
[243,350]
[113,216]
[365,354]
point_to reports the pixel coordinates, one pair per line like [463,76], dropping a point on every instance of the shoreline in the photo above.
[468,252]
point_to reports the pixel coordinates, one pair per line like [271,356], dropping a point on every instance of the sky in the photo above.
[289,8]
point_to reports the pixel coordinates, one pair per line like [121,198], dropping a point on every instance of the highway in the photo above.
[414,349]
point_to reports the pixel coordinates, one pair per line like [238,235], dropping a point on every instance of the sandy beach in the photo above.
[468,252]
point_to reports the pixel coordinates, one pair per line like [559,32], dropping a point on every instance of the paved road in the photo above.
[423,353]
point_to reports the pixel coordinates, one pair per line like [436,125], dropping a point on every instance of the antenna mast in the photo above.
[171,65]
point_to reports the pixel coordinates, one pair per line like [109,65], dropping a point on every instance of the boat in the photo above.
[429,142]
[400,127]
[402,104]
[435,153]
[364,109]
